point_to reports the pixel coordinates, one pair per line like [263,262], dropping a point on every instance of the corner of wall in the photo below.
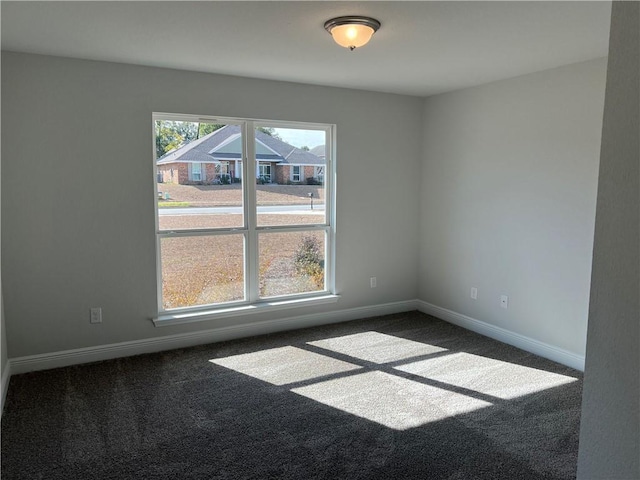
[4,384]
[609,434]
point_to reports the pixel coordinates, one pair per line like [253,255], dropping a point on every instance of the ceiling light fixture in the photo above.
[352,31]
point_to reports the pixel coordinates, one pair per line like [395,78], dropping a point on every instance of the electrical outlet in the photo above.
[474,293]
[96,315]
[504,301]
[373,281]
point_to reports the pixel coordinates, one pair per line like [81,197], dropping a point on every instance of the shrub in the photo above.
[308,260]
[313,181]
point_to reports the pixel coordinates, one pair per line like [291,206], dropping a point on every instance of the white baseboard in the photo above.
[182,340]
[505,336]
[4,384]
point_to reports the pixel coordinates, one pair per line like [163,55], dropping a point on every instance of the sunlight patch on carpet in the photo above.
[392,401]
[455,383]
[280,366]
[377,347]
[486,375]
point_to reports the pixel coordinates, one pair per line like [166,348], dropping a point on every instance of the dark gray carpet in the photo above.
[393,397]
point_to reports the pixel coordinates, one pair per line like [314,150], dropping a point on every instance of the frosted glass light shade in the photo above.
[352,36]
[352,32]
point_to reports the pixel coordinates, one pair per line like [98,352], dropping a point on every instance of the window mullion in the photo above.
[250,214]
[329,181]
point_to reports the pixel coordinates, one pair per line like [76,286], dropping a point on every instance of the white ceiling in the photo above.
[422,48]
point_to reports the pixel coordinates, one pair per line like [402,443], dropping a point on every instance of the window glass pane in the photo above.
[295,173]
[291,262]
[202,270]
[289,172]
[199,175]
[196,171]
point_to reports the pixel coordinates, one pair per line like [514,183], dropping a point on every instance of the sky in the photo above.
[301,138]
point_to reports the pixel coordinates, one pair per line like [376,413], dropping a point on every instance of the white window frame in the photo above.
[192,174]
[250,231]
[293,174]
[318,173]
[221,170]
[262,166]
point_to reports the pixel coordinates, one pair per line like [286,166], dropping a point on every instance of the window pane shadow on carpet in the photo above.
[399,396]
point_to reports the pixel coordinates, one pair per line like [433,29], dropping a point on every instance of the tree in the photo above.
[270,131]
[305,148]
[207,128]
[172,134]
[167,139]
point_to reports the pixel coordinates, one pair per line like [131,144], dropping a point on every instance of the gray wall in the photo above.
[610,429]
[3,336]
[78,191]
[508,201]
[3,349]
[505,197]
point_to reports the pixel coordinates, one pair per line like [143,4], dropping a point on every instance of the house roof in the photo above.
[226,144]
[318,151]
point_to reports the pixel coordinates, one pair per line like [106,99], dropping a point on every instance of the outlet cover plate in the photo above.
[96,315]
[504,301]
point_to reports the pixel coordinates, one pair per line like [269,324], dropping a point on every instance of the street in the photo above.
[283,209]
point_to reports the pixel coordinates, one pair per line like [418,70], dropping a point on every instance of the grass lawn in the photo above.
[210,269]
[231,195]
[171,203]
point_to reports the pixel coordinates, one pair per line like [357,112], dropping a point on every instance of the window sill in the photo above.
[167,319]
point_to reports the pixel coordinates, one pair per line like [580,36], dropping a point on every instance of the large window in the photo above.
[231,228]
